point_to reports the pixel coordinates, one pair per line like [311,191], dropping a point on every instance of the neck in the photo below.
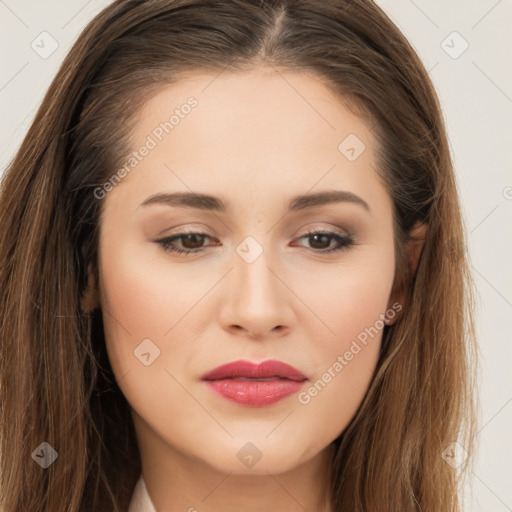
[176,482]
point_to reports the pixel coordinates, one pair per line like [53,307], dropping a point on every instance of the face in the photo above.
[270,275]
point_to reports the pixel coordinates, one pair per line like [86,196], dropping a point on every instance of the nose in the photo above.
[258,299]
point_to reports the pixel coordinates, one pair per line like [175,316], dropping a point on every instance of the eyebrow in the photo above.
[212,203]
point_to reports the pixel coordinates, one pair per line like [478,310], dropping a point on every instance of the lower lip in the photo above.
[254,393]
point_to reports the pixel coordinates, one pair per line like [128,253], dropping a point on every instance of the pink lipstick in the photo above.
[255,384]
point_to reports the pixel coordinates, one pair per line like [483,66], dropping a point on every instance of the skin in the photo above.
[255,140]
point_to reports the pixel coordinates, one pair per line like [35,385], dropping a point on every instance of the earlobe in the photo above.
[89,300]
[414,248]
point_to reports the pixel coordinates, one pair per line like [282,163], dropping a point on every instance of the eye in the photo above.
[322,240]
[192,242]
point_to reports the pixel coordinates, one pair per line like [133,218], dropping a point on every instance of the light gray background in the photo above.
[475,90]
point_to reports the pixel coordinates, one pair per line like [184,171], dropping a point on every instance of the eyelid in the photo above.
[330,230]
[310,231]
[344,241]
[179,230]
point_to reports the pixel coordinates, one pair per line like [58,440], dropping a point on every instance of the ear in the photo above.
[413,247]
[89,300]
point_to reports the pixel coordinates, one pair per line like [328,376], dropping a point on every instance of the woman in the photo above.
[232,270]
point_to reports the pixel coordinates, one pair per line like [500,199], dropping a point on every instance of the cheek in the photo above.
[345,366]
[348,298]
[352,308]
[145,297]
[144,312]
[135,305]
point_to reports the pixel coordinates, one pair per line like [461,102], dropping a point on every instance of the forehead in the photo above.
[260,102]
[255,132]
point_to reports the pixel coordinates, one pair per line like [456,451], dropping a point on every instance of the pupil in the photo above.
[315,239]
[192,238]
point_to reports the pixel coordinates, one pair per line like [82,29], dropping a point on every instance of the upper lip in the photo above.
[249,369]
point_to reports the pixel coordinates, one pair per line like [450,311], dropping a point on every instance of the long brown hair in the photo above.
[57,385]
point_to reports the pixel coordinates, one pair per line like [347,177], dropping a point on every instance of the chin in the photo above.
[275,464]
[258,458]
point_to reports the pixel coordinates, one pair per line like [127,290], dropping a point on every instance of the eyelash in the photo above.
[345,242]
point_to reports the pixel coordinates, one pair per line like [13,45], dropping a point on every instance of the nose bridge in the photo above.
[258,297]
[256,282]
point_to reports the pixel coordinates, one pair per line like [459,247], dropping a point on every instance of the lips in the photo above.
[269,369]
[255,385]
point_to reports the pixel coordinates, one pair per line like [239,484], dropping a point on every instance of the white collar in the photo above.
[141,502]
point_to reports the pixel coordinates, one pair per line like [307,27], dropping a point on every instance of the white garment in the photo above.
[141,502]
